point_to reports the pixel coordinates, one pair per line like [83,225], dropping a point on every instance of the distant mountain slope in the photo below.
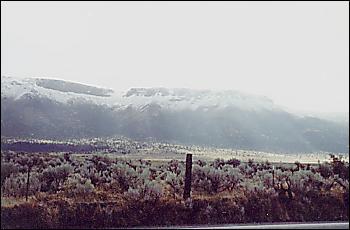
[176,98]
[62,109]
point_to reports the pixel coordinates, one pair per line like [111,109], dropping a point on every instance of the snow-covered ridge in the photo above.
[65,86]
[167,98]
[57,90]
[183,98]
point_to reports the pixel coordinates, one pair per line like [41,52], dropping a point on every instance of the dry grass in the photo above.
[10,202]
[210,154]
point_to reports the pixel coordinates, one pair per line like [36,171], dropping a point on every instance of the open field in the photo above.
[124,183]
[121,147]
[243,155]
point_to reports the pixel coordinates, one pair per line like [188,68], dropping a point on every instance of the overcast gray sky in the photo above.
[296,53]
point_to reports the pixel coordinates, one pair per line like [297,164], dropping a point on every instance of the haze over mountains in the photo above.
[46,108]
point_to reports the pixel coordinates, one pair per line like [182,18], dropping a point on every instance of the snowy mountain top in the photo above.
[198,98]
[169,98]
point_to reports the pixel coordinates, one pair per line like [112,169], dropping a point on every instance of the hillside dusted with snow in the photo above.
[48,108]
[176,98]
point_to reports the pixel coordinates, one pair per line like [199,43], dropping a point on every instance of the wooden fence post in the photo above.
[188,176]
[27,189]
[273,176]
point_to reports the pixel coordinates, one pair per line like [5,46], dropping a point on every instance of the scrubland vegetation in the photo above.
[68,190]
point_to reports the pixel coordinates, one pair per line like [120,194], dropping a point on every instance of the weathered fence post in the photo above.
[273,176]
[188,175]
[27,189]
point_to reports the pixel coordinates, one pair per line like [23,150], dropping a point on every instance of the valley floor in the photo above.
[123,183]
